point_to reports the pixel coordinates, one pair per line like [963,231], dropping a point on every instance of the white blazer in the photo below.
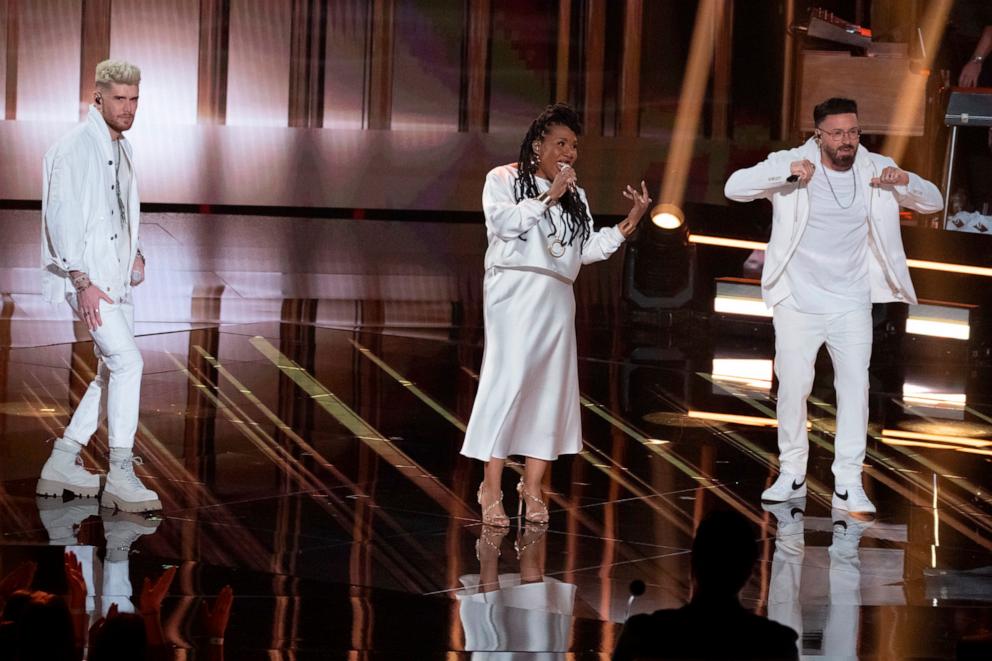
[80,224]
[887,269]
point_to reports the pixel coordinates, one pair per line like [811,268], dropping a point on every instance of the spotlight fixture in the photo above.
[659,264]
[667,216]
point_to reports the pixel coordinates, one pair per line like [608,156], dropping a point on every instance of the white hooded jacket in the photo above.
[887,269]
[80,224]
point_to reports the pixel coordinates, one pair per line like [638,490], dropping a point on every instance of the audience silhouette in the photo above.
[41,626]
[714,624]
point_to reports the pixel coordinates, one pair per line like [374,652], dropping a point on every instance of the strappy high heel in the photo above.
[540,515]
[537,531]
[489,518]
[490,538]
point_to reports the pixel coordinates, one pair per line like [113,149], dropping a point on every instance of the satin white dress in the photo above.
[528,398]
[519,620]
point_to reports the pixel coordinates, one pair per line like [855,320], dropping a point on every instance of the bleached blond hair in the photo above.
[117,71]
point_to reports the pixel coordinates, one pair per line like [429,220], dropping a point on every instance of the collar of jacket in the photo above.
[811,151]
[98,126]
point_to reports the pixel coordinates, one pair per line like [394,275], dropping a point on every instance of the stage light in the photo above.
[926,265]
[963,269]
[667,216]
[747,420]
[951,441]
[938,321]
[749,373]
[725,242]
[659,263]
[739,298]
[915,395]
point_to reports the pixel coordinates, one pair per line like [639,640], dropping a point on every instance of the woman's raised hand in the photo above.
[640,200]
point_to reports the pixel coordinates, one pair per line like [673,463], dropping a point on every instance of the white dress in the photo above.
[528,398]
[519,620]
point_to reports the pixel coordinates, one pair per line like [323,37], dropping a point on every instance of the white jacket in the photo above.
[887,269]
[508,220]
[80,226]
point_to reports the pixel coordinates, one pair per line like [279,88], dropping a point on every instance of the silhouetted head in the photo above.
[43,628]
[15,606]
[723,553]
[121,638]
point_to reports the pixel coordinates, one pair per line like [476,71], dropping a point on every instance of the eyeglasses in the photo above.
[837,134]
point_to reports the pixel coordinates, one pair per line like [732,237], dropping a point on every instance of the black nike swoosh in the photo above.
[795,511]
[841,523]
[844,497]
[796,486]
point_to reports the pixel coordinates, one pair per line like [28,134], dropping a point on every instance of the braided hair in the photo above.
[575,215]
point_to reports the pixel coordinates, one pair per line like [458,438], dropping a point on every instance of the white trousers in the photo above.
[798,338]
[118,377]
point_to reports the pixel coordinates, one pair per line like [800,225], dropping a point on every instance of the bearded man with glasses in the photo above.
[835,249]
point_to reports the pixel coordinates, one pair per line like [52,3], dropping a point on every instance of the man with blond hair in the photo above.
[91,259]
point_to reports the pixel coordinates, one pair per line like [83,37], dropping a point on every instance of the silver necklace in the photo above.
[853,197]
[117,185]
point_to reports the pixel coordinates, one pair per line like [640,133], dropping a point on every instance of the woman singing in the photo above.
[540,233]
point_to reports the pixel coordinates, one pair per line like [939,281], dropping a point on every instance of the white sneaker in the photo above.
[124,491]
[789,515]
[848,529]
[64,471]
[788,486]
[852,498]
[62,519]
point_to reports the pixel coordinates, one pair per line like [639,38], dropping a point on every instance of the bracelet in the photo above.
[546,199]
[215,641]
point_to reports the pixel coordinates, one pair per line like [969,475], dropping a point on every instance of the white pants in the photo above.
[798,337]
[118,375]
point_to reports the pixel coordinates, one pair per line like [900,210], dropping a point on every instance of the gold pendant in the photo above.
[557,248]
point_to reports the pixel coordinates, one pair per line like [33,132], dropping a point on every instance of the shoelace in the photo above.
[127,466]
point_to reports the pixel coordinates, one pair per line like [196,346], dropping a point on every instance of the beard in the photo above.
[842,157]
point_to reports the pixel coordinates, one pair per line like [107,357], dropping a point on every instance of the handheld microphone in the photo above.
[792,178]
[562,167]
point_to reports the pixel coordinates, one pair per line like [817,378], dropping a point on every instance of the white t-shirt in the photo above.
[123,168]
[828,273]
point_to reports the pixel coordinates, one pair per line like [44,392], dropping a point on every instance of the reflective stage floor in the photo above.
[306,450]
